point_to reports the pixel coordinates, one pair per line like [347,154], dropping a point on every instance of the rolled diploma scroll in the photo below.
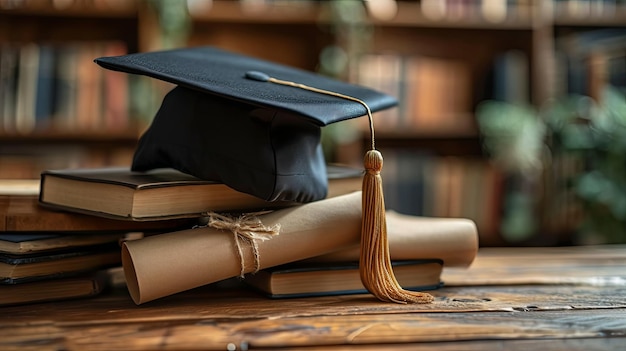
[453,240]
[165,264]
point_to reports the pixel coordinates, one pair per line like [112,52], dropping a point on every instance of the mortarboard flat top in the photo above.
[255,136]
[223,73]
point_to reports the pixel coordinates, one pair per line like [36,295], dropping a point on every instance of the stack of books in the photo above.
[40,267]
[57,238]
[50,255]
[315,254]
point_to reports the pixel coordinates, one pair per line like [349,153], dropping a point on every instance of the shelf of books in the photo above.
[441,59]
[57,107]
[431,185]
[588,59]
[57,86]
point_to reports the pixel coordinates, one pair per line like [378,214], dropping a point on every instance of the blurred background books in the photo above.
[539,174]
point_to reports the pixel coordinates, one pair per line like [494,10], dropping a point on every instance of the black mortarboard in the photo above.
[255,126]
[224,122]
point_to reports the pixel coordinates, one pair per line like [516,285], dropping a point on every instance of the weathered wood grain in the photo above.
[525,315]
[591,265]
[339,330]
[215,318]
[574,344]
[229,303]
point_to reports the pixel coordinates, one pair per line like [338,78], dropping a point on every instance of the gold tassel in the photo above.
[375,263]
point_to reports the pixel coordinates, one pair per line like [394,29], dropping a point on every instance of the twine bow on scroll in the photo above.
[247,229]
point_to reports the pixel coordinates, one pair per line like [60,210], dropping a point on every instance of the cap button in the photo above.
[256,75]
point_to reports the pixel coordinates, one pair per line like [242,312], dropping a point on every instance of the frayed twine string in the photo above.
[247,228]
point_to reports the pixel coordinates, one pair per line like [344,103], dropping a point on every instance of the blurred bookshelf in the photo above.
[441,59]
[57,109]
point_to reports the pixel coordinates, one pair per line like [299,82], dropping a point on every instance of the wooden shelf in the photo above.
[617,20]
[129,10]
[235,12]
[414,133]
[464,144]
[129,136]
[410,15]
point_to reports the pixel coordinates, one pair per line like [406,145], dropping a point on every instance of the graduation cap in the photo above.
[255,126]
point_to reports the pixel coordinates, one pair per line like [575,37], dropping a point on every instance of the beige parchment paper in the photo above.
[453,240]
[165,264]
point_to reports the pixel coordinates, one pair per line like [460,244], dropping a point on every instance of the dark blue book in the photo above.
[30,243]
[44,95]
[9,58]
[24,268]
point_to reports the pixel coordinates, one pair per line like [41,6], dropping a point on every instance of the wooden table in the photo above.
[510,299]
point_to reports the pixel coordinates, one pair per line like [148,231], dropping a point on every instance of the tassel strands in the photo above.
[375,263]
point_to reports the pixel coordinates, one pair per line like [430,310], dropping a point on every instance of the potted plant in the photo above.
[566,159]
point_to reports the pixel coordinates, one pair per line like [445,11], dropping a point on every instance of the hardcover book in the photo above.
[52,290]
[15,269]
[162,193]
[24,244]
[21,214]
[305,280]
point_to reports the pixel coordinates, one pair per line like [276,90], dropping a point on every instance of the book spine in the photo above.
[45,86]
[9,56]
[26,88]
